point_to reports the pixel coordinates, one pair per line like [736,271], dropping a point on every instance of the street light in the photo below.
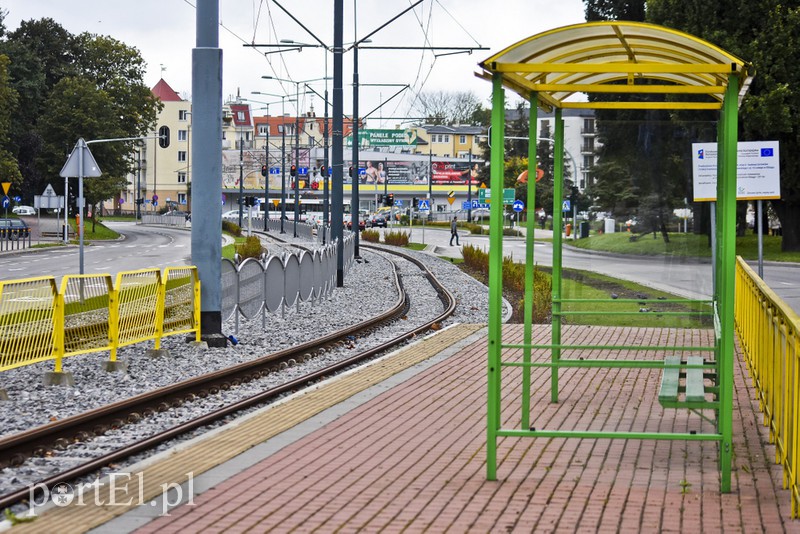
[283,154]
[296,142]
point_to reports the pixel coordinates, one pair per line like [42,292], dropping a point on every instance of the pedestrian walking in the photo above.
[454,231]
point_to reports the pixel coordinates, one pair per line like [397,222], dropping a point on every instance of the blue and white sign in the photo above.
[758,171]
[566,205]
[274,170]
[398,203]
[302,171]
[17,199]
[518,205]
[6,202]
[424,205]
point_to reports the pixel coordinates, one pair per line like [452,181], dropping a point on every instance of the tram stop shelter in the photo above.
[616,62]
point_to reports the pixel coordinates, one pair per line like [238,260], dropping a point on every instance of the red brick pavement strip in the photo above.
[414,458]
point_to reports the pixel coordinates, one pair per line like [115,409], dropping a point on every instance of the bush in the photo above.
[397,238]
[373,236]
[474,229]
[231,228]
[251,248]
[514,281]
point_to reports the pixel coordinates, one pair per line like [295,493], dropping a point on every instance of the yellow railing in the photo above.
[90,314]
[769,333]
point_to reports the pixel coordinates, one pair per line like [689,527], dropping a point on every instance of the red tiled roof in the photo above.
[163,91]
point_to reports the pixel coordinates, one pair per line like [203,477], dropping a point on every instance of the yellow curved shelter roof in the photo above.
[615,57]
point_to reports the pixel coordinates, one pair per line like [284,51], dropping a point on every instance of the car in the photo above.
[348,223]
[13,229]
[23,210]
[376,220]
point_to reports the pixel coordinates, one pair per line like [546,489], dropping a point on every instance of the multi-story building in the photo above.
[162,176]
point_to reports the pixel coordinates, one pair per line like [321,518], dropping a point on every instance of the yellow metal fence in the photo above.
[90,314]
[769,333]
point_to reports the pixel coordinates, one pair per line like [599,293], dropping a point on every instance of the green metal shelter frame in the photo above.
[604,58]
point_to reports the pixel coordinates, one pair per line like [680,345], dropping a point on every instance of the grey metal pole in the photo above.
[283,166]
[207,157]
[266,178]
[296,158]
[354,200]
[241,176]
[759,207]
[469,188]
[326,174]
[139,185]
[338,125]
[81,147]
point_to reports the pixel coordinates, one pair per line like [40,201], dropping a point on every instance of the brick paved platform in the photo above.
[413,458]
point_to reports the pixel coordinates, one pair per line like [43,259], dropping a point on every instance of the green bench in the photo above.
[694,389]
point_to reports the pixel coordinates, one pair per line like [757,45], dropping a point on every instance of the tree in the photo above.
[449,107]
[9,170]
[767,33]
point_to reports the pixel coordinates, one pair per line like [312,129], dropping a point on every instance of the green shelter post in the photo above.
[497,171]
[530,228]
[558,193]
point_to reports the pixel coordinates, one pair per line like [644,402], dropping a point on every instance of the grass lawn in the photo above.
[681,244]
[642,312]
[228,251]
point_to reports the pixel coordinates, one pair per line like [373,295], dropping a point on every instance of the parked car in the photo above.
[13,229]
[378,219]
[23,210]
[348,223]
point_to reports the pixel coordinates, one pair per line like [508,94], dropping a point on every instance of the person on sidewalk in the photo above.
[454,231]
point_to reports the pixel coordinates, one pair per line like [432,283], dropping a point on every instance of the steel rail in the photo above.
[37,440]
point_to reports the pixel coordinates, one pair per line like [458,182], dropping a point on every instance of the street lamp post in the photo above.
[296,144]
[283,153]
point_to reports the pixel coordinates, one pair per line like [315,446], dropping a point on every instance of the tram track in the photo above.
[40,441]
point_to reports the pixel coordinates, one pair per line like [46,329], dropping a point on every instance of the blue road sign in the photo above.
[566,205]
[424,205]
[465,205]
[302,171]
[274,170]
[6,202]
[17,199]
[518,205]
[398,203]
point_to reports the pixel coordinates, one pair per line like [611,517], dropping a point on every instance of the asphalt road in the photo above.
[142,247]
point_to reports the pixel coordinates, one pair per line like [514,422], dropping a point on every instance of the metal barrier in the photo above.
[259,286]
[89,314]
[178,221]
[769,334]
[14,239]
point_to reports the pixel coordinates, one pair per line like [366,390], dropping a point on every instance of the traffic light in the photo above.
[293,170]
[574,196]
[389,200]
[163,136]
[381,202]
[351,171]
[263,170]
[323,170]
[414,203]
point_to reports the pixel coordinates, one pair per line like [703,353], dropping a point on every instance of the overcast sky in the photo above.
[164,32]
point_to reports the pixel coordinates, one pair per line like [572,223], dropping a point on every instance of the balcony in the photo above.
[245,145]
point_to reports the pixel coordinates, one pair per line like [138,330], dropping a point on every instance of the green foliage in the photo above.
[396,237]
[251,248]
[514,281]
[91,86]
[372,236]
[231,228]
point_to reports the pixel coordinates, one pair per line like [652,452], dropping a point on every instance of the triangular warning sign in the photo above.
[49,191]
[71,167]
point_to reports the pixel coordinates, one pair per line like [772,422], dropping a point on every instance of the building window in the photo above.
[182,199]
[224,136]
[262,129]
[181,177]
[588,161]
[588,125]
[182,135]
[181,155]
[280,128]
[182,114]
[310,140]
[240,116]
[462,139]
[446,138]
